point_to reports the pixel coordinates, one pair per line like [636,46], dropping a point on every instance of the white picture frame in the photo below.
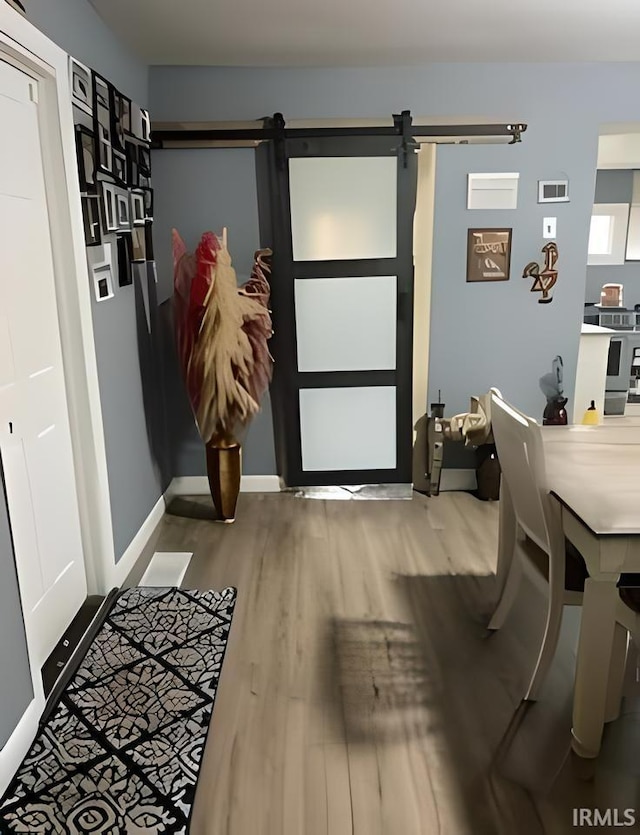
[138,217]
[102,275]
[109,207]
[123,210]
[81,83]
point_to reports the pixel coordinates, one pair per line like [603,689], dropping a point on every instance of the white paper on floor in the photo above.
[166,568]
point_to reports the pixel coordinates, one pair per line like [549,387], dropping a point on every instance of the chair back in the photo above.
[520,452]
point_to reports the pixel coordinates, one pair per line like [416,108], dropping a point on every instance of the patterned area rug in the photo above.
[121,751]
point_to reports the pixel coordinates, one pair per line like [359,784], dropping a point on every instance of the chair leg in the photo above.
[547,650]
[556,605]
[507,535]
[616,673]
[509,593]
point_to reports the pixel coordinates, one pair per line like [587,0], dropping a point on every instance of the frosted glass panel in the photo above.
[346,324]
[343,207]
[348,428]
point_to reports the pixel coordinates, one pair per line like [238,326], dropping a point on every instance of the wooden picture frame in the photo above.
[86,157]
[488,254]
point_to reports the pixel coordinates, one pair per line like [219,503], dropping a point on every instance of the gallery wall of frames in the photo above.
[114,165]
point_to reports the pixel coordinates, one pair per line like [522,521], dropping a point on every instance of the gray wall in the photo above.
[16,690]
[196,191]
[76,27]
[486,334]
[614,186]
[136,475]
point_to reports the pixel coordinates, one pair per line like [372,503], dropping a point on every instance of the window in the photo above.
[608,233]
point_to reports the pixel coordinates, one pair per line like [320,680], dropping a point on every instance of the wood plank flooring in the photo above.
[361,695]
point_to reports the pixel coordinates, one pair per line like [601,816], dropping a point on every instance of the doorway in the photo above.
[338,213]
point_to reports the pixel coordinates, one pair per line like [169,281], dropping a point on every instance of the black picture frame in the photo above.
[148,202]
[119,168]
[148,238]
[102,123]
[86,158]
[91,219]
[144,160]
[133,169]
[81,83]
[125,274]
[120,119]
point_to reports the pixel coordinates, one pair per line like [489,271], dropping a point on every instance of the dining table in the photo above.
[593,473]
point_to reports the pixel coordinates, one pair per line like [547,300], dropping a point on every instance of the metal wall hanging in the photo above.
[544,280]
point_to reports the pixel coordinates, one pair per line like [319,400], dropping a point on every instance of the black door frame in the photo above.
[275,231]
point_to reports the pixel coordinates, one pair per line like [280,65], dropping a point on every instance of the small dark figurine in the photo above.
[551,385]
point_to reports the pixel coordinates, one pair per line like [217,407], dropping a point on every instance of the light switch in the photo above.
[549,227]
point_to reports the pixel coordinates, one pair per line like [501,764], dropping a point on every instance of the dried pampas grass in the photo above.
[222,332]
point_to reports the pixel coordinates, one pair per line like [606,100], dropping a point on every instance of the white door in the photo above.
[35,439]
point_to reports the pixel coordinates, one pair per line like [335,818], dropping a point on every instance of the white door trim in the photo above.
[29,49]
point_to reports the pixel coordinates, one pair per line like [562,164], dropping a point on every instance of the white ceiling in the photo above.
[374,32]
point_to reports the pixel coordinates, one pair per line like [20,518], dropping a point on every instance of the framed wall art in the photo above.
[109,207]
[148,238]
[81,82]
[144,160]
[133,178]
[125,276]
[91,218]
[119,167]
[123,210]
[102,123]
[137,208]
[488,254]
[86,156]
[138,244]
[148,202]
[103,277]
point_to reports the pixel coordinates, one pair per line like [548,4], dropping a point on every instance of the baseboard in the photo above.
[134,551]
[198,485]
[457,480]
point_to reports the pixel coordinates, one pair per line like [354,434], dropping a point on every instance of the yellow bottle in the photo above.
[591,416]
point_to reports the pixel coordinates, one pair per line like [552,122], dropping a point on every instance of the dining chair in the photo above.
[531,525]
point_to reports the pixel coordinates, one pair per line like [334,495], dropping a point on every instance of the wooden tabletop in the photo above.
[595,473]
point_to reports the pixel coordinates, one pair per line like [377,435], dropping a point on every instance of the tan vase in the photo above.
[224,468]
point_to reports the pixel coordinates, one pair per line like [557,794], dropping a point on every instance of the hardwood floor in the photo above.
[361,694]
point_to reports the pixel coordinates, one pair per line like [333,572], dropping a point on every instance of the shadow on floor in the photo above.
[443,677]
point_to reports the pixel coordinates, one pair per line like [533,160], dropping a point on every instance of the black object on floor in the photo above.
[67,645]
[121,749]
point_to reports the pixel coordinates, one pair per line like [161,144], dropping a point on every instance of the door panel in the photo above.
[343,208]
[35,438]
[341,227]
[350,428]
[346,324]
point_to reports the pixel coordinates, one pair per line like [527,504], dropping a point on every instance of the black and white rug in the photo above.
[121,751]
